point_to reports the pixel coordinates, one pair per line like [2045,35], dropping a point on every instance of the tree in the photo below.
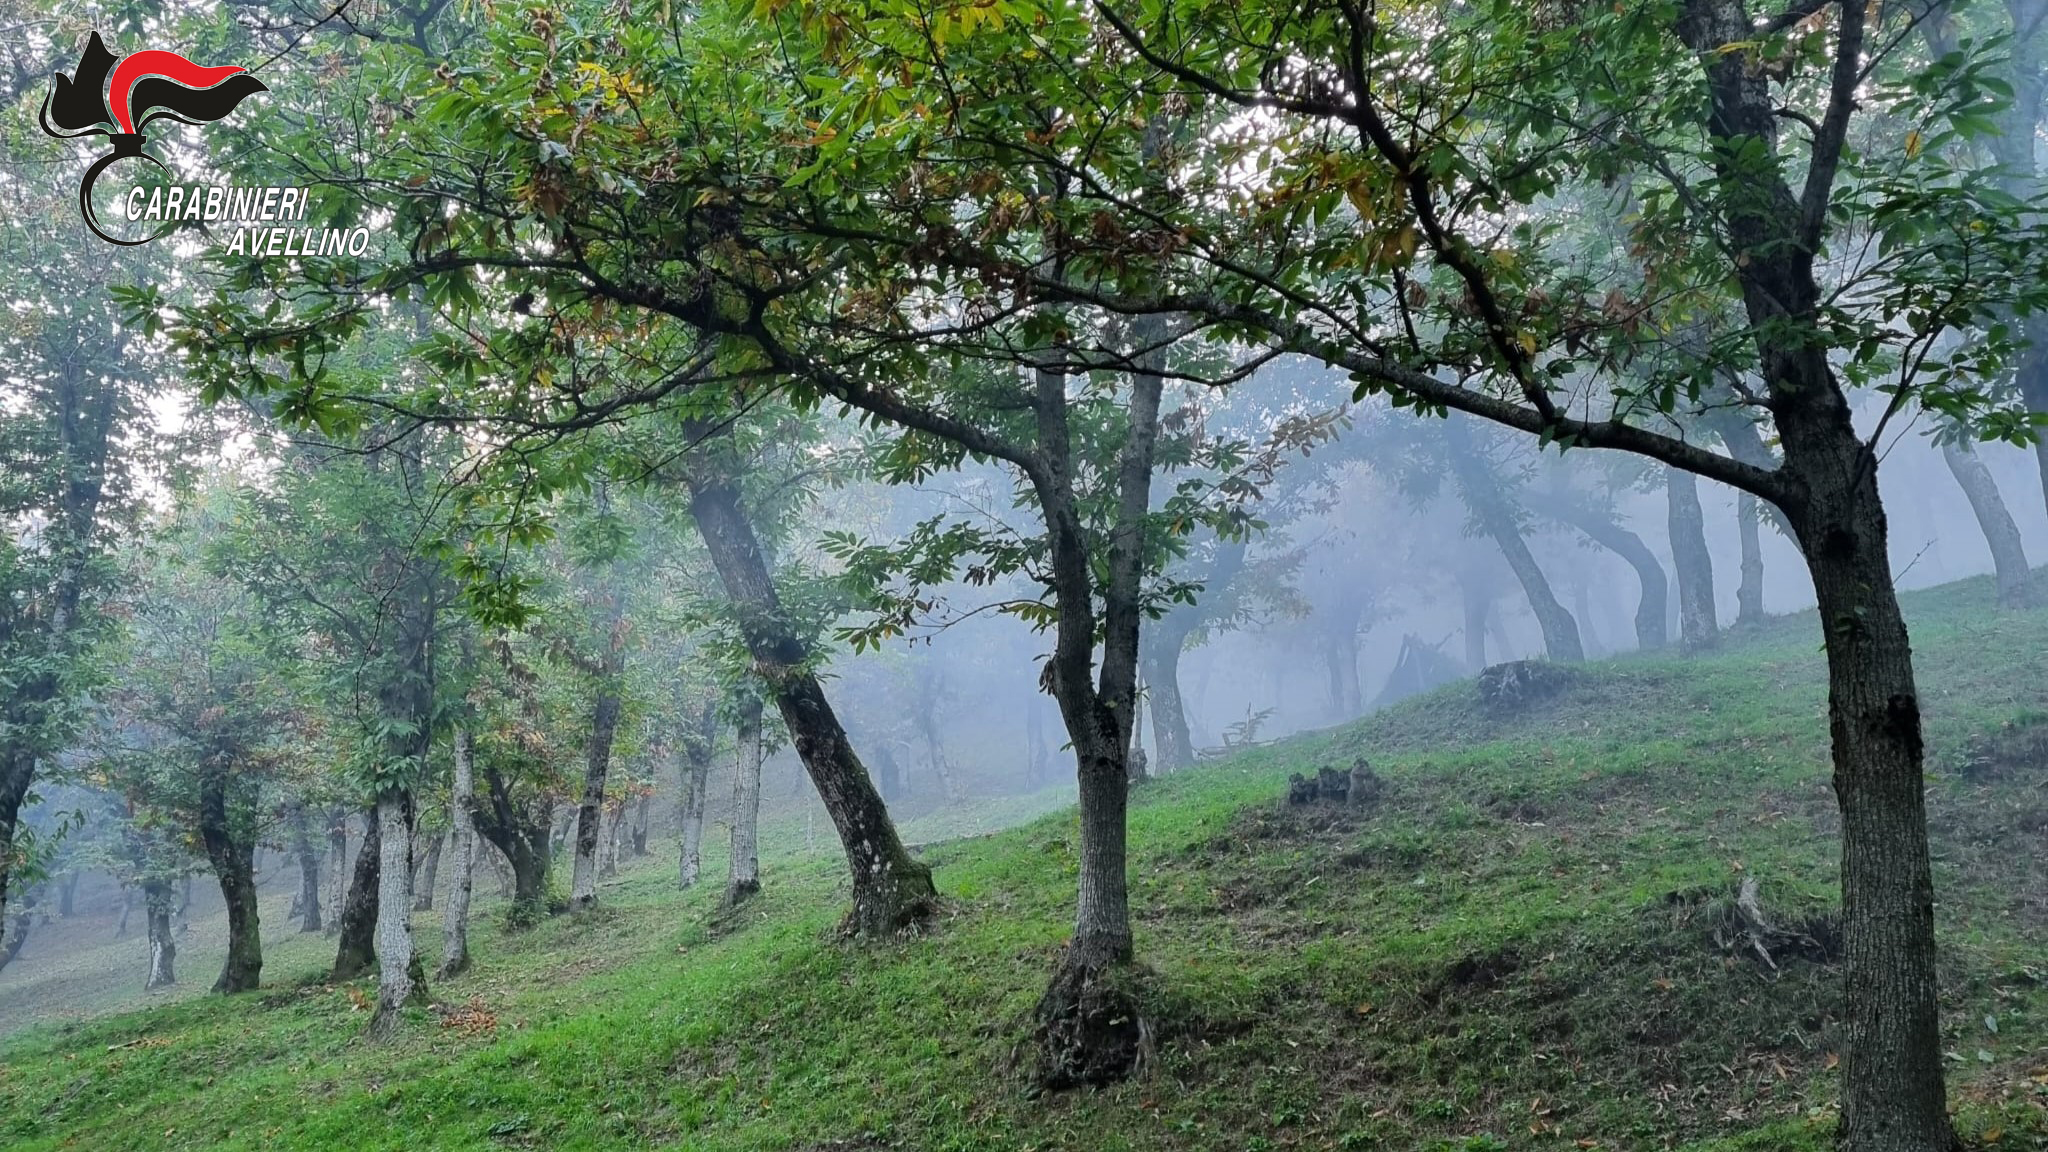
[209,690]
[379,606]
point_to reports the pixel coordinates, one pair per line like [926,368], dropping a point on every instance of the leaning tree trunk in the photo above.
[462,837]
[396,981]
[1652,602]
[233,861]
[1497,519]
[163,948]
[358,918]
[2008,553]
[1170,736]
[889,888]
[1697,627]
[743,874]
[1749,595]
[309,871]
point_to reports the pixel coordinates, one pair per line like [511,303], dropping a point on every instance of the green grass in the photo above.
[1515,950]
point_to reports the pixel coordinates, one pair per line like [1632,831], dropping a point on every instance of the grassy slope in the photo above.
[1493,959]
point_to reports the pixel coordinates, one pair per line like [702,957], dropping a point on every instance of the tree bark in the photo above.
[1489,505]
[462,836]
[2008,553]
[604,724]
[163,949]
[17,771]
[523,833]
[641,804]
[697,747]
[337,868]
[743,875]
[1340,658]
[608,842]
[1698,629]
[309,870]
[429,870]
[397,984]
[1749,595]
[928,727]
[358,919]
[1477,605]
[889,888]
[1171,740]
[1652,603]
[1038,753]
[233,859]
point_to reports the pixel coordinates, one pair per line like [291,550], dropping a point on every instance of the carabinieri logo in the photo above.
[141,88]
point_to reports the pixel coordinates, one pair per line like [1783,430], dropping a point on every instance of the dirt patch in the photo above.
[1474,973]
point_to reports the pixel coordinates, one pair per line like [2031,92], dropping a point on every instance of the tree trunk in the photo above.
[396,982]
[743,875]
[1088,1026]
[337,868]
[889,888]
[1497,519]
[641,804]
[1170,737]
[1477,605]
[1340,658]
[1749,596]
[455,918]
[429,874]
[2033,381]
[358,919]
[1038,754]
[233,859]
[1893,1095]
[1652,602]
[2008,554]
[17,770]
[604,724]
[163,949]
[65,893]
[524,834]
[309,870]
[608,842]
[1698,629]
[697,746]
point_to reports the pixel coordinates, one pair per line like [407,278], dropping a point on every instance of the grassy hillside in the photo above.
[1526,945]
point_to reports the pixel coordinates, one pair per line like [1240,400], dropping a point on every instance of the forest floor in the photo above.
[1528,944]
